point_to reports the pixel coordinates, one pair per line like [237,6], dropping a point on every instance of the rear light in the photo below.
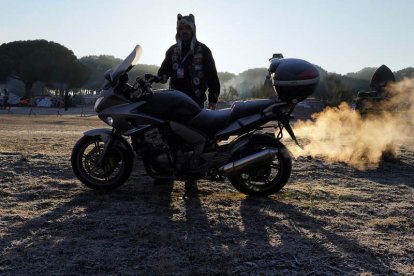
[309,74]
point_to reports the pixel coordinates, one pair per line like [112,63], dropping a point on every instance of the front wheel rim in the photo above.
[112,167]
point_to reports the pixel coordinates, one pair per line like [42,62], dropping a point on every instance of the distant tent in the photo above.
[381,78]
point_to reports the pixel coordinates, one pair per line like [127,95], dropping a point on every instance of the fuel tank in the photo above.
[171,105]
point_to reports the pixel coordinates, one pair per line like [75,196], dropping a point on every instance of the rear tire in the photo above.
[115,170]
[267,179]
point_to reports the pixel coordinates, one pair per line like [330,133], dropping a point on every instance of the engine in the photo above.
[165,155]
[153,139]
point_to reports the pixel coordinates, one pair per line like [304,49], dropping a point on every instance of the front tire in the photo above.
[114,171]
[264,179]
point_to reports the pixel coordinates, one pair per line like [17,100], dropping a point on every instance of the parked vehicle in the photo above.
[370,102]
[178,140]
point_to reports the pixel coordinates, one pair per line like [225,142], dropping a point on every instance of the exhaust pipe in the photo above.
[258,158]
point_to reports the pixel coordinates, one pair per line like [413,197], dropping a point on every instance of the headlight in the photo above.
[109,120]
[97,103]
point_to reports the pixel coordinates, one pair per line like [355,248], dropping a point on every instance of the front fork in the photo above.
[108,142]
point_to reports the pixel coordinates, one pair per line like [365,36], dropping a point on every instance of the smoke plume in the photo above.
[340,134]
[246,81]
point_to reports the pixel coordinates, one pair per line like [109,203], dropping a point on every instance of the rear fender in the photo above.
[242,125]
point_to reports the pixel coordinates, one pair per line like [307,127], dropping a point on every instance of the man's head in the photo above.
[186,30]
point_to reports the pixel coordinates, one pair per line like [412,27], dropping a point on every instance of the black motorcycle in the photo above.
[177,140]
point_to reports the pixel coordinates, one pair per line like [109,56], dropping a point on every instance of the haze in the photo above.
[340,36]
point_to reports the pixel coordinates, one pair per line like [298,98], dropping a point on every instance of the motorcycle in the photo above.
[177,140]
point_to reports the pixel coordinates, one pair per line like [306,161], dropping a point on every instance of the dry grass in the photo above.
[330,219]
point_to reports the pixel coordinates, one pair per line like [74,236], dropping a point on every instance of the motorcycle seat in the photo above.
[247,108]
[212,121]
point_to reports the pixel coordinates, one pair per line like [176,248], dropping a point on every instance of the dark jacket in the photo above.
[200,72]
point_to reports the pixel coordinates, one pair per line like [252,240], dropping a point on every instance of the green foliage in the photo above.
[368,72]
[40,60]
[254,74]
[250,80]
[404,73]
[229,94]
[225,76]
[142,69]
[336,91]
[244,83]
[263,92]
[98,65]
[363,74]
[57,67]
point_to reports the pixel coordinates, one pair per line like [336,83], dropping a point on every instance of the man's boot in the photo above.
[190,188]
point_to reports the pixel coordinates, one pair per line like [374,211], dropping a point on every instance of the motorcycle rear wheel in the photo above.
[114,171]
[264,179]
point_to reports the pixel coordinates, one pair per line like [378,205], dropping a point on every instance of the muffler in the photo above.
[257,159]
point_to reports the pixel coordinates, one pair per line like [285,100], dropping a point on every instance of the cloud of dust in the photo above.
[246,81]
[340,134]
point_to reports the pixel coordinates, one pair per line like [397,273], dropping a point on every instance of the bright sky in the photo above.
[341,36]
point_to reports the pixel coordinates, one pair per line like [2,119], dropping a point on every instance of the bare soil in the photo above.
[330,218]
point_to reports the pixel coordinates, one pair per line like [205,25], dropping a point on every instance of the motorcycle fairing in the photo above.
[105,134]
[187,134]
[108,98]
[127,116]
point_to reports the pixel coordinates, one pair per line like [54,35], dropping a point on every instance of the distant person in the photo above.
[190,65]
[5,98]
[66,100]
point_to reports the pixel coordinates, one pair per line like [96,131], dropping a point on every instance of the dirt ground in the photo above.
[330,219]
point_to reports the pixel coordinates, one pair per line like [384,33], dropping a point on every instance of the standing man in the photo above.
[190,65]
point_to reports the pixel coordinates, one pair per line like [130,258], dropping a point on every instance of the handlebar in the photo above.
[147,80]
[152,78]
[143,86]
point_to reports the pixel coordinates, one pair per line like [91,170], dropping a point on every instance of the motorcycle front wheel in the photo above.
[264,179]
[112,173]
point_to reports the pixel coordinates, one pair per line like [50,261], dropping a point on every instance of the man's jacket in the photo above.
[192,72]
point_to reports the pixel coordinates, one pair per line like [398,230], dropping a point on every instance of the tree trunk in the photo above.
[28,89]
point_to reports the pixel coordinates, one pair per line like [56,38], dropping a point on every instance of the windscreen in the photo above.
[128,63]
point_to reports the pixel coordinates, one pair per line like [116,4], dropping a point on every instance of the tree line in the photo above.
[57,67]
[41,61]
[332,88]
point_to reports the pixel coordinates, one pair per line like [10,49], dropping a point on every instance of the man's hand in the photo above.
[212,106]
[163,79]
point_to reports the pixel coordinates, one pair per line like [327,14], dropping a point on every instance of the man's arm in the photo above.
[165,70]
